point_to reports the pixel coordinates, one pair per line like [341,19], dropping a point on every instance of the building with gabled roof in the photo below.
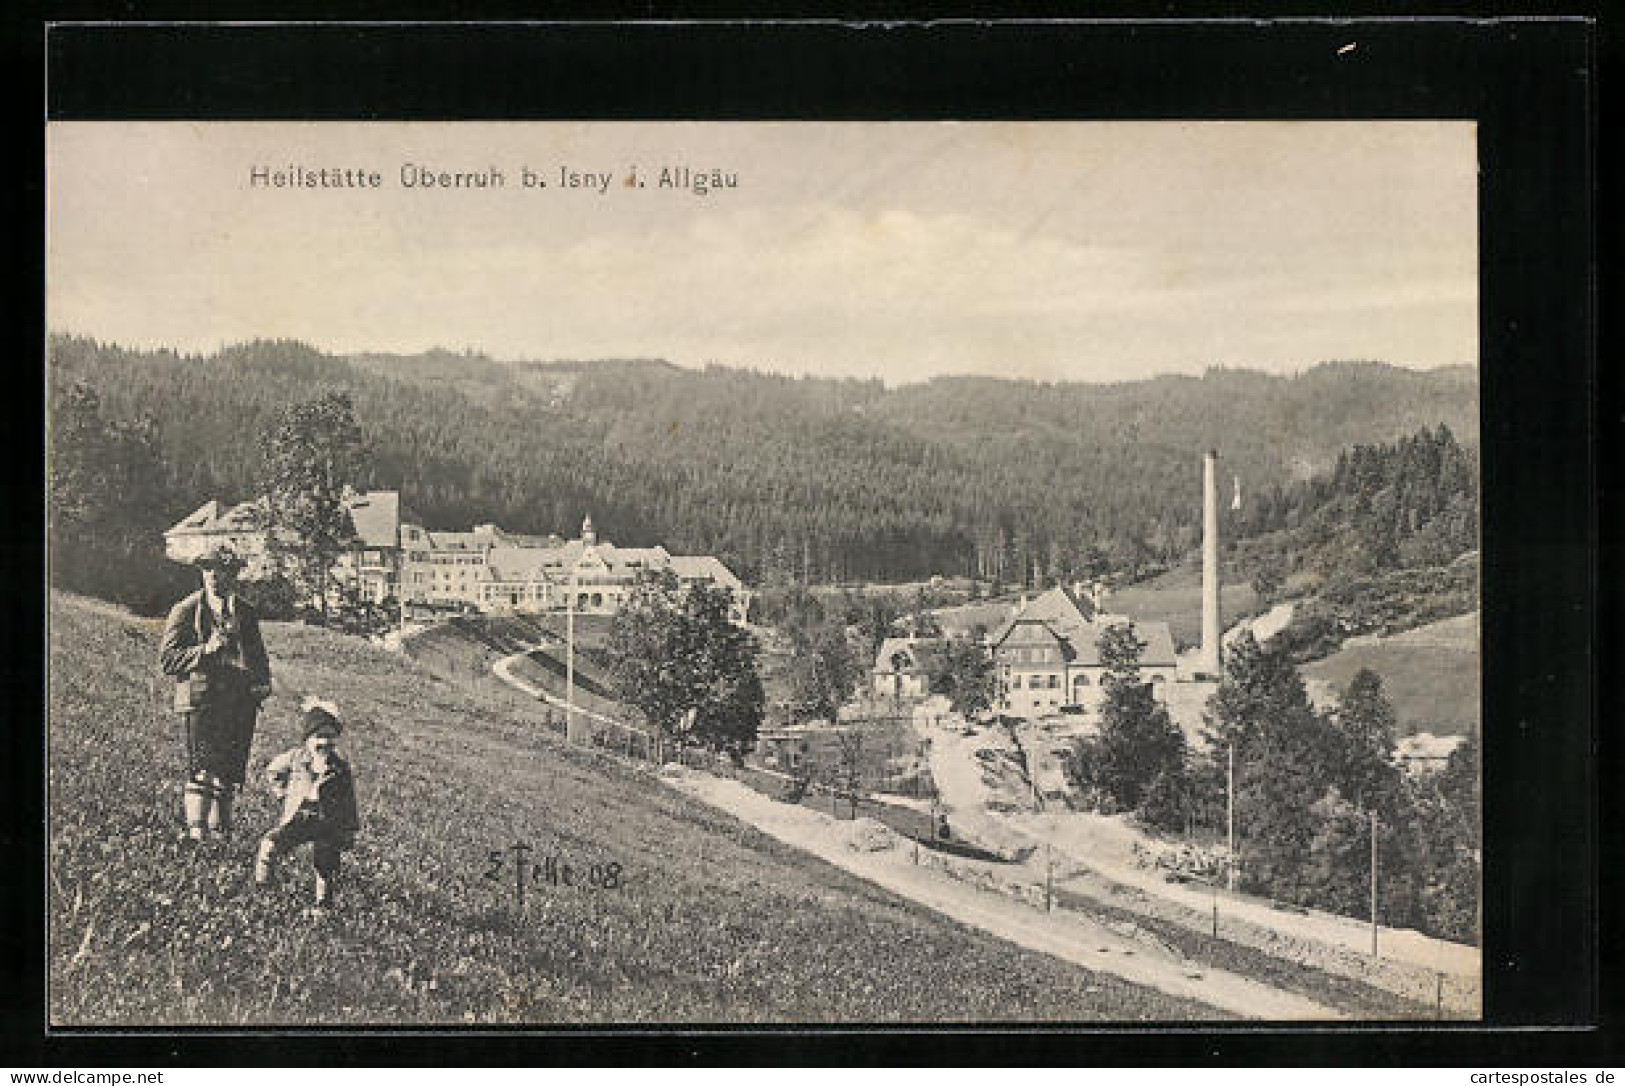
[902,667]
[372,564]
[1047,654]
[214,523]
[486,568]
[590,575]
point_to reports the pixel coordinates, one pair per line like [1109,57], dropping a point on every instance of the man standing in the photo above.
[212,646]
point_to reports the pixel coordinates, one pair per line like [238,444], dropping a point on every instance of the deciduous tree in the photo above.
[962,669]
[313,452]
[676,655]
[822,670]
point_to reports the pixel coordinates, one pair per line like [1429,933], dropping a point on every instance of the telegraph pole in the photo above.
[570,663]
[1230,813]
[1373,884]
[400,595]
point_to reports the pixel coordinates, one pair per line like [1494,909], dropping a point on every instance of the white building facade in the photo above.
[1047,655]
[486,569]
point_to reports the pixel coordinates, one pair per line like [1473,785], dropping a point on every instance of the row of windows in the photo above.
[583,601]
[454,560]
[1053,682]
[1038,682]
[1039,655]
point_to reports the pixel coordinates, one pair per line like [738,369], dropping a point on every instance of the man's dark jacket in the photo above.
[181,653]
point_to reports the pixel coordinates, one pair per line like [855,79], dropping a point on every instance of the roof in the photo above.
[1158,651]
[457,541]
[1060,604]
[697,566]
[962,620]
[200,519]
[914,649]
[1060,607]
[536,542]
[514,564]
[513,556]
[377,517]
[1080,641]
[213,517]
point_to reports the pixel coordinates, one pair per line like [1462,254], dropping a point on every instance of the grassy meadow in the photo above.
[701,918]
[1175,597]
[1431,674]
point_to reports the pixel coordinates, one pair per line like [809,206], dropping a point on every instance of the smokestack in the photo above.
[1210,663]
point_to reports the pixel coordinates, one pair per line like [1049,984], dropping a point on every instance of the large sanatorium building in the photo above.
[486,569]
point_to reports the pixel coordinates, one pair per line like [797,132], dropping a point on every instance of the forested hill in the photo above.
[850,478]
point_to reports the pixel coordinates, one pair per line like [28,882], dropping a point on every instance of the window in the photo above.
[1054,681]
[1080,680]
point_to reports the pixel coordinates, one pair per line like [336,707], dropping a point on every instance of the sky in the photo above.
[1093,251]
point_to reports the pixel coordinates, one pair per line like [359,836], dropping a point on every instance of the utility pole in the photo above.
[1049,877]
[1373,884]
[1230,808]
[400,596]
[570,663]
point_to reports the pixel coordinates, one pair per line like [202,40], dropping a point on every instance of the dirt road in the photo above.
[1064,935]
[1097,860]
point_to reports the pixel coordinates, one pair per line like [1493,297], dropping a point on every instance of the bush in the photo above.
[273,597]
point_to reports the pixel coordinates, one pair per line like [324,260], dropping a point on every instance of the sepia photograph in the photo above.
[633,573]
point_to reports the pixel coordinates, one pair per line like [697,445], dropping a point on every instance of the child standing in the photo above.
[317,792]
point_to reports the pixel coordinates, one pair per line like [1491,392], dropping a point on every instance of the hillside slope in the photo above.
[709,920]
[1431,674]
[842,480]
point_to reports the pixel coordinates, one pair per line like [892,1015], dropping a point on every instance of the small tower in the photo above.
[588,536]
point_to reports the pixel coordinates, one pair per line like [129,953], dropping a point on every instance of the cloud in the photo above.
[1071,251]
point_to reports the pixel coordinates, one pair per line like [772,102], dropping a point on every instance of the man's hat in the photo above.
[321,716]
[223,556]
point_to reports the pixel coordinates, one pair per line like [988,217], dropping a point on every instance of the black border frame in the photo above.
[1529,83]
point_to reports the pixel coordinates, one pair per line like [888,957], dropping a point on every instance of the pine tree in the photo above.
[108,505]
[1138,742]
[1365,725]
[1284,757]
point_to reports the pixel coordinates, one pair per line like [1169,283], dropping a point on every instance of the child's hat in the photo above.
[321,716]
